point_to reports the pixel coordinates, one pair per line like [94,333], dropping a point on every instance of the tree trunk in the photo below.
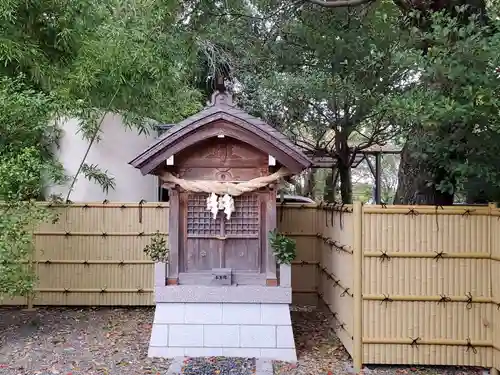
[345,183]
[330,182]
[415,182]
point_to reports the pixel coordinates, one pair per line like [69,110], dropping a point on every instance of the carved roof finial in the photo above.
[221,98]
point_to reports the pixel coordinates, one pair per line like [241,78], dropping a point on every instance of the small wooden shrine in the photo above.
[222,167]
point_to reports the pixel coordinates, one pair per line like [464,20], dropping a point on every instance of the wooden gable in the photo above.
[222,119]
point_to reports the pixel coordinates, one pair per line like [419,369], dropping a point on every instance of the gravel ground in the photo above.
[77,342]
[115,341]
[320,352]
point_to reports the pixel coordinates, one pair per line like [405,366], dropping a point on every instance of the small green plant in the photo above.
[283,247]
[157,250]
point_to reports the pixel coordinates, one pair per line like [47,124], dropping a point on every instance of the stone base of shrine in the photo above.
[201,329]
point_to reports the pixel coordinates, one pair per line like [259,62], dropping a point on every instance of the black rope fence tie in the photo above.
[470,346]
[103,290]
[121,264]
[437,219]
[48,261]
[159,206]
[85,206]
[341,326]
[123,206]
[444,299]
[140,290]
[303,263]
[104,234]
[384,256]
[412,212]
[383,205]
[66,291]
[468,212]
[345,293]
[469,300]
[105,201]
[67,234]
[439,255]
[414,342]
[141,202]
[386,299]
[140,234]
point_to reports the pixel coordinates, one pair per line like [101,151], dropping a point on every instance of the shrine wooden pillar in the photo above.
[173,238]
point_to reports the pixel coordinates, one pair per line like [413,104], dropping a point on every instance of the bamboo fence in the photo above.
[406,285]
[93,255]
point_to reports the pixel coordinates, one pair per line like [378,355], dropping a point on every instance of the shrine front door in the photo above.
[221,243]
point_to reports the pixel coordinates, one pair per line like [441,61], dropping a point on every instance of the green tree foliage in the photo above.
[451,113]
[25,163]
[81,59]
[322,77]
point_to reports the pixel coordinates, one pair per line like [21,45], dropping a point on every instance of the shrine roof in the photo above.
[238,124]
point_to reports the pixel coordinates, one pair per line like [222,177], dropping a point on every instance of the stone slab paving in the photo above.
[220,366]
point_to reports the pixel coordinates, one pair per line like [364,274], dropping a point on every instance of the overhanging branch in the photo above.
[339,3]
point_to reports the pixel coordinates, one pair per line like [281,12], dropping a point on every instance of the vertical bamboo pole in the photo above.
[491,244]
[358,289]
[32,260]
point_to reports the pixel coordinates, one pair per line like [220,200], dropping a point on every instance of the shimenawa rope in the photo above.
[220,188]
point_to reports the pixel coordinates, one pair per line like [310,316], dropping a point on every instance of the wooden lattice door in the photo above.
[222,243]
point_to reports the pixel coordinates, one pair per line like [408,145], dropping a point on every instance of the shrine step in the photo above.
[256,330]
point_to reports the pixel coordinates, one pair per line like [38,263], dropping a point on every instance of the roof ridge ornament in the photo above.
[221,98]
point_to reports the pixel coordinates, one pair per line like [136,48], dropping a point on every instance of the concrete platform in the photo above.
[196,329]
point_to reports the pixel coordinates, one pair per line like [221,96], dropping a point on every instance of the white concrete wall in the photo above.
[117,146]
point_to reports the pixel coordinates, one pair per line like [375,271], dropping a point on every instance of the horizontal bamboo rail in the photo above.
[107,205]
[88,262]
[298,234]
[418,341]
[100,234]
[426,210]
[305,263]
[297,205]
[335,244]
[424,254]
[94,290]
[336,282]
[341,325]
[440,299]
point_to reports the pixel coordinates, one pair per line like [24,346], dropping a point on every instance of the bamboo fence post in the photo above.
[32,268]
[357,285]
[491,244]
